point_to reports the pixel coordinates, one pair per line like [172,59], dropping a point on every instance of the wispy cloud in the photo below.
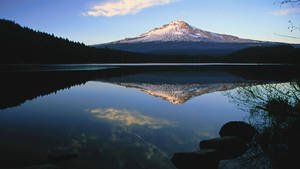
[285,12]
[123,7]
[287,36]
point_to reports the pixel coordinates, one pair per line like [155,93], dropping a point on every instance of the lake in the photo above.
[122,116]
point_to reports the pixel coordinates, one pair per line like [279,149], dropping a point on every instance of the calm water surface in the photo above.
[119,117]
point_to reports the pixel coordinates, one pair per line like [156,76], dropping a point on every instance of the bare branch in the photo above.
[289,1]
[292,27]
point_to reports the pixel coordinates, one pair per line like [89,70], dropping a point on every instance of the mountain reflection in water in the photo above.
[177,88]
[175,84]
[104,116]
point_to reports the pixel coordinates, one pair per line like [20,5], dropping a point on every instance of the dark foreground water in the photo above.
[124,117]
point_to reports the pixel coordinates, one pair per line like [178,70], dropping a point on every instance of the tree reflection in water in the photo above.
[274,110]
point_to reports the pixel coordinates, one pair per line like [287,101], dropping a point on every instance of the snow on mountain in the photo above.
[180,38]
[180,93]
[178,87]
[181,31]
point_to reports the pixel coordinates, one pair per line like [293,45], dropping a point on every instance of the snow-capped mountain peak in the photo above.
[181,31]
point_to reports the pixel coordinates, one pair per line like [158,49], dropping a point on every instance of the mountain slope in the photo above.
[180,38]
[181,31]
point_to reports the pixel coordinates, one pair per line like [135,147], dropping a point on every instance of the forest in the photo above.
[22,45]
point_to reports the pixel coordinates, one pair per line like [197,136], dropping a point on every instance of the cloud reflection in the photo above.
[129,118]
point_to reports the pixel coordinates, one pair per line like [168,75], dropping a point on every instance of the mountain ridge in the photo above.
[179,30]
[178,37]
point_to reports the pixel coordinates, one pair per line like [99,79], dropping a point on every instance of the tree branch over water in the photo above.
[268,104]
[291,26]
[289,2]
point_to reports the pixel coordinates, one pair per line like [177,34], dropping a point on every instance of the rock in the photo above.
[238,128]
[253,158]
[62,153]
[207,159]
[228,147]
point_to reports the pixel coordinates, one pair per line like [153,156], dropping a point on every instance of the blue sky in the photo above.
[100,21]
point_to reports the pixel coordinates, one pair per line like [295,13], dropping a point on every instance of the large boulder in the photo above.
[228,147]
[206,159]
[239,129]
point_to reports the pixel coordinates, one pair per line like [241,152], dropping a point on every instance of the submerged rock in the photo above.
[62,153]
[207,158]
[253,158]
[232,144]
[238,128]
[228,147]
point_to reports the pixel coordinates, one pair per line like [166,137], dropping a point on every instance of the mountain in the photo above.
[182,31]
[178,37]
[23,45]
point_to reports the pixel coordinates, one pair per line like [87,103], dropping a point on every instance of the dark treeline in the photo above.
[259,54]
[16,87]
[24,45]
[19,86]
[271,54]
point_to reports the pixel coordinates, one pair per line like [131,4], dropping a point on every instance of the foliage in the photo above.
[289,1]
[275,111]
[271,54]
[270,105]
[291,26]
[24,45]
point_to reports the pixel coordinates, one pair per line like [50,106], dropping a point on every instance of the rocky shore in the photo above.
[234,143]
